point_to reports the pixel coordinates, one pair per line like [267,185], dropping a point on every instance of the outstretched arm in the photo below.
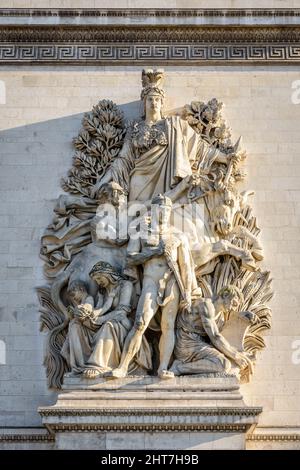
[123,306]
[106,306]
[207,313]
[133,251]
[134,259]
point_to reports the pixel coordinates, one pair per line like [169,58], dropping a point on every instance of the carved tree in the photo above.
[97,144]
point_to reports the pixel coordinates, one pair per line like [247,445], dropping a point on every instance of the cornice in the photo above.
[44,438]
[210,411]
[169,12]
[151,34]
[144,36]
[132,427]
[181,419]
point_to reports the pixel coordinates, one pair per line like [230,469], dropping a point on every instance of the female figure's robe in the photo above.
[147,172]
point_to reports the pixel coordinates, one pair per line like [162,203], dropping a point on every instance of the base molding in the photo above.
[147,413]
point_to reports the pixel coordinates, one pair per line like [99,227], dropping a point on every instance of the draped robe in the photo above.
[147,173]
[160,168]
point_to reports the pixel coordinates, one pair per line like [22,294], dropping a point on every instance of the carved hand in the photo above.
[139,258]
[99,320]
[161,248]
[96,191]
[113,315]
[249,316]
[194,179]
[190,180]
[83,311]
[242,360]
[78,313]
[187,303]
[96,313]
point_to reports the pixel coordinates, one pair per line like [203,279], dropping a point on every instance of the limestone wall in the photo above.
[42,114]
[60,4]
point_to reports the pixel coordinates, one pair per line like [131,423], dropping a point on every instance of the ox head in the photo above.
[223,205]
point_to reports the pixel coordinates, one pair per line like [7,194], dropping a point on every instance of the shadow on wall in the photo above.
[33,159]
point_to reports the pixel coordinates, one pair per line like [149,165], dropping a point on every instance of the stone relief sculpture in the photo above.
[153,256]
[168,278]
[200,346]
[96,333]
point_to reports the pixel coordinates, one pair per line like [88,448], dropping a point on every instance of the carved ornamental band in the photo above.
[183,36]
[126,54]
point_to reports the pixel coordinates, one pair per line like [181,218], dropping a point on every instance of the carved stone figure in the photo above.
[105,245]
[223,206]
[200,346]
[97,332]
[157,152]
[168,277]
[112,283]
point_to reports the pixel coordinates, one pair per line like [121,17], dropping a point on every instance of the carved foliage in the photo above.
[97,144]
[225,202]
[53,321]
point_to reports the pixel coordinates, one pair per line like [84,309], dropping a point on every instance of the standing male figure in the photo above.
[168,276]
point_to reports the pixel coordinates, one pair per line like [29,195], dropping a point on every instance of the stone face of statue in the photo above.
[161,215]
[153,106]
[101,280]
[77,293]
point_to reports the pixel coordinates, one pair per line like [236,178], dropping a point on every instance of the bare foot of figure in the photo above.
[118,373]
[91,374]
[165,374]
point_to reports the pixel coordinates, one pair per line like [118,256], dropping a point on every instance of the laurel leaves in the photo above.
[97,144]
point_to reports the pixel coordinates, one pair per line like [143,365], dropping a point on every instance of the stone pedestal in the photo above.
[147,413]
